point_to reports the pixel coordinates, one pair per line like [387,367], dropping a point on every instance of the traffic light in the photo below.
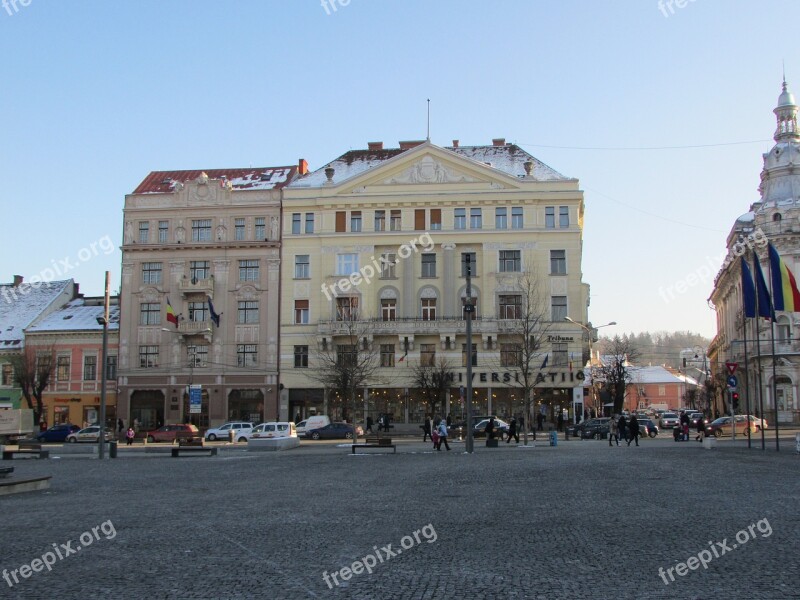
[735,400]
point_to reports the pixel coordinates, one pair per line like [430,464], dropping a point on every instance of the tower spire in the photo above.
[786,114]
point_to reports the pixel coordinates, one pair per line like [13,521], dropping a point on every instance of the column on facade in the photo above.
[448,278]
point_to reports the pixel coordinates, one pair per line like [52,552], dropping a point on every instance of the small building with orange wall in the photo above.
[657,387]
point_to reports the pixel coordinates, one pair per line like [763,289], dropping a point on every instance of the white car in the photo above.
[310,423]
[241,431]
[89,434]
[273,430]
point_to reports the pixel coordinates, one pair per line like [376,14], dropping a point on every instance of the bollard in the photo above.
[112,449]
[797,442]
[231,435]
[554,438]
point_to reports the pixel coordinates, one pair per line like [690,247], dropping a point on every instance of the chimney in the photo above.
[18,280]
[499,142]
[302,167]
[455,143]
[375,145]
[410,144]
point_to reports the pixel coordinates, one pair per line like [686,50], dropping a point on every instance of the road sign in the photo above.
[732,381]
[195,399]
[731,367]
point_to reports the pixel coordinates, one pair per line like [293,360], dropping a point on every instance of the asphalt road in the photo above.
[572,521]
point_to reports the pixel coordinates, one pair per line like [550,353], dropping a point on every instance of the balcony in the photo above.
[196,286]
[195,328]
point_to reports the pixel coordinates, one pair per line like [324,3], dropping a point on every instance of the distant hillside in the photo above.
[660,347]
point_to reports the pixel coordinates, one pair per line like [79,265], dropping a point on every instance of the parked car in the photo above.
[90,434]
[647,428]
[169,433]
[223,432]
[271,430]
[57,433]
[333,431]
[500,428]
[668,420]
[310,423]
[595,428]
[725,425]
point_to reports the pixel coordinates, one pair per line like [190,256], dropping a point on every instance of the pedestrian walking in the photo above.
[622,432]
[685,420]
[426,429]
[701,429]
[613,431]
[560,419]
[633,430]
[369,424]
[512,431]
[540,422]
[443,436]
[120,426]
[129,436]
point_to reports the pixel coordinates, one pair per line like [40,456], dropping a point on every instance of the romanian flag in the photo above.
[171,316]
[785,295]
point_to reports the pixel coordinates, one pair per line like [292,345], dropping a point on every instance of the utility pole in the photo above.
[469,309]
[102,435]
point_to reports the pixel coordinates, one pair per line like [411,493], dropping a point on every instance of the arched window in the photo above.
[777,217]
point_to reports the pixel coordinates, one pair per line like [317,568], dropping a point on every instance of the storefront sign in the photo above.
[543,379]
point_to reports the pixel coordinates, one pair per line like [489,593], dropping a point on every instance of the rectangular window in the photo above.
[62,368]
[8,375]
[516,217]
[388,263]
[550,217]
[560,358]
[387,355]
[346,264]
[238,230]
[429,309]
[197,355]
[309,222]
[261,228]
[559,308]
[436,219]
[389,309]
[427,355]
[111,368]
[201,230]
[380,220]
[563,216]
[199,269]
[341,221]
[301,312]
[460,218]
[355,221]
[501,218]
[511,307]
[662,390]
[296,223]
[475,218]
[510,355]
[163,232]
[558,262]
[395,220]
[346,355]
[472,263]
[198,312]
[247,311]
[301,357]
[249,270]
[347,308]
[148,357]
[428,265]
[144,232]
[149,313]
[89,368]
[464,355]
[419,219]
[302,266]
[246,355]
[510,261]
[151,273]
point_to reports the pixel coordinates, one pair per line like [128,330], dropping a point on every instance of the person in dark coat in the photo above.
[560,420]
[633,430]
[512,431]
[540,422]
[426,429]
[685,421]
[369,424]
[701,429]
[490,429]
[622,427]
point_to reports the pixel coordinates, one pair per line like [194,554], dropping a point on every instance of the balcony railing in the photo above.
[411,325]
[197,286]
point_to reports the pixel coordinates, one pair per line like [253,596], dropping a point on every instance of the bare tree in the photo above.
[615,369]
[433,381]
[33,371]
[524,322]
[349,361]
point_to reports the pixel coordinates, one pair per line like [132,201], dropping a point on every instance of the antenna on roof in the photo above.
[429,119]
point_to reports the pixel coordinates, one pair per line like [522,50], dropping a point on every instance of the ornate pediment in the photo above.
[430,170]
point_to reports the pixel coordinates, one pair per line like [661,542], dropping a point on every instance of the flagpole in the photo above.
[760,381]
[774,385]
[746,380]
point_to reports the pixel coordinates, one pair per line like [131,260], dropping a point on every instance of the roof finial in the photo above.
[783,61]
[428,137]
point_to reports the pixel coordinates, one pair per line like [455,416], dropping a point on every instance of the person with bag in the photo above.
[443,436]
[129,436]
[613,431]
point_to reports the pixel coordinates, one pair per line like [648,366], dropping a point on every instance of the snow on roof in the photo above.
[18,310]
[653,374]
[257,178]
[509,158]
[76,316]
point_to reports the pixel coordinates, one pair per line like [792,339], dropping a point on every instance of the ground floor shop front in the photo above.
[79,409]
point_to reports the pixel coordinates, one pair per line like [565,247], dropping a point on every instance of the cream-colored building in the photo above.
[774,218]
[197,240]
[404,219]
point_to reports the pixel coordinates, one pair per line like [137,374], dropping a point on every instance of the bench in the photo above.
[6,471]
[193,445]
[376,442]
[26,448]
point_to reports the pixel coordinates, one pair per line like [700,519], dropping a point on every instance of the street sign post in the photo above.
[195,399]
[732,381]
[731,366]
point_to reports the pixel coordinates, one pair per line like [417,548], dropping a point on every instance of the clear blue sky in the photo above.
[96,94]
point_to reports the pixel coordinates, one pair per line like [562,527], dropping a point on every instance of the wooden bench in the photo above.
[376,442]
[193,445]
[26,448]
[6,471]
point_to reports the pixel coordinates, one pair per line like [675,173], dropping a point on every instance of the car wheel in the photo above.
[242,439]
[72,440]
[652,434]
[315,436]
[348,436]
[718,433]
[151,439]
[212,437]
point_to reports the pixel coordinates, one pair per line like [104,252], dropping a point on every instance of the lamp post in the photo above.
[104,322]
[468,308]
[592,332]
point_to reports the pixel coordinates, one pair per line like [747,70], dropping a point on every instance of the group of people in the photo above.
[621,429]
[437,431]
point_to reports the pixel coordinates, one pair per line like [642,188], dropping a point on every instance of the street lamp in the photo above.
[591,331]
[104,322]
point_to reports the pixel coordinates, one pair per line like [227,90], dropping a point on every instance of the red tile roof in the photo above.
[258,178]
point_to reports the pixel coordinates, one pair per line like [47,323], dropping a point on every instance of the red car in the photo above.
[169,433]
